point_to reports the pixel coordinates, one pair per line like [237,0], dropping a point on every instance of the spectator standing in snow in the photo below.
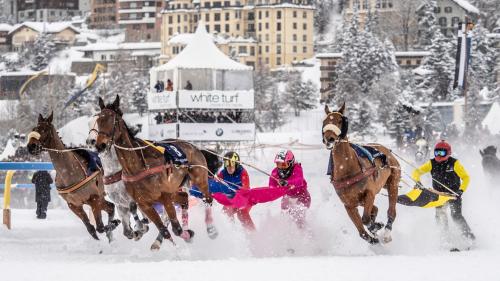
[42,181]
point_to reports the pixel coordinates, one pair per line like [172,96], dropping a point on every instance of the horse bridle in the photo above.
[334,128]
[110,136]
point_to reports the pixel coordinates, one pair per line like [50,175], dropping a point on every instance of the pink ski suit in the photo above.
[297,192]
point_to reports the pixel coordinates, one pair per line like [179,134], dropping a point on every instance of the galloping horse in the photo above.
[357,180]
[115,189]
[145,172]
[72,181]
[490,162]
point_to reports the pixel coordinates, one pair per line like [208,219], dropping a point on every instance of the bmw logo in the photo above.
[219,132]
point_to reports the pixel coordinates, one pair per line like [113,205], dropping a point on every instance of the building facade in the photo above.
[330,61]
[47,10]
[8,11]
[141,19]
[282,30]
[451,12]
[4,37]
[26,33]
[104,14]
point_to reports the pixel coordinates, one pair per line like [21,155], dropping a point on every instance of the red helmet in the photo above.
[442,151]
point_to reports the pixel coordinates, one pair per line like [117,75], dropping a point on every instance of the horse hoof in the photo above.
[155,247]
[177,229]
[373,241]
[386,236]
[188,235]
[376,226]
[128,234]
[212,232]
[109,235]
[94,235]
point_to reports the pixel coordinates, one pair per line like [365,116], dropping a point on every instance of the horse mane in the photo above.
[491,150]
[132,132]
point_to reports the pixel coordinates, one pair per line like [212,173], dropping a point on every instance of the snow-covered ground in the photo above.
[60,248]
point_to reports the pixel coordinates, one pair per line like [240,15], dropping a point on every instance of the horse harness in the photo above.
[84,183]
[116,177]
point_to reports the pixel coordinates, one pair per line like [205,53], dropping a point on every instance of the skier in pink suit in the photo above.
[289,174]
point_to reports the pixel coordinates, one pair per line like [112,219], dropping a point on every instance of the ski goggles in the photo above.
[440,153]
[282,165]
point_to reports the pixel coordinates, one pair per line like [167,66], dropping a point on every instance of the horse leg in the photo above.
[124,213]
[78,210]
[209,221]
[140,227]
[156,219]
[356,219]
[370,212]
[96,211]
[392,189]
[168,203]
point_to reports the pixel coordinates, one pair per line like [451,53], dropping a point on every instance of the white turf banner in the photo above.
[163,100]
[216,99]
[162,131]
[217,131]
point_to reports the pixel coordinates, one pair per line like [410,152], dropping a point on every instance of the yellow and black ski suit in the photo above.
[453,175]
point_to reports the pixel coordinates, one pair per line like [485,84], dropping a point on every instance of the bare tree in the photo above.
[401,25]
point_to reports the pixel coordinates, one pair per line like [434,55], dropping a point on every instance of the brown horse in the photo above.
[145,173]
[72,181]
[357,180]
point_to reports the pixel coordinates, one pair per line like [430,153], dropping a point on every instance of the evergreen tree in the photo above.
[322,16]
[300,95]
[274,117]
[41,51]
[361,120]
[483,58]
[439,65]
[428,22]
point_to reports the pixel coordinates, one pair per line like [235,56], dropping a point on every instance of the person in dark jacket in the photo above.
[448,175]
[42,181]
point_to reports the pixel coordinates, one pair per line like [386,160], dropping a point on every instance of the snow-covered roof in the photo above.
[201,52]
[102,46]
[491,119]
[421,71]
[53,27]
[185,38]
[412,54]
[5,27]
[328,55]
[467,6]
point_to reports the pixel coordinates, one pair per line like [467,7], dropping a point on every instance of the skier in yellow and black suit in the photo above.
[447,171]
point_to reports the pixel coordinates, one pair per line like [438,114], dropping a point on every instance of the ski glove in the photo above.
[459,193]
[283,183]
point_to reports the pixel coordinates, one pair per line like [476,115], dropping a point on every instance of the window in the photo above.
[437,10]
[103,57]
[267,49]
[447,10]
[260,50]
[294,14]
[133,5]
[251,16]
[208,28]
[260,26]
[278,26]
[217,4]
[442,21]
[294,37]
[267,60]
[304,15]
[267,14]
[294,25]
[278,38]
[418,62]
[136,26]
[260,14]
[365,4]
[252,51]
[217,17]
[267,37]
[150,25]
[207,17]
[170,31]
[278,61]
[228,15]
[455,21]
[251,27]
[278,14]
[207,4]
[267,26]
[304,38]
[237,26]
[227,3]
[304,49]
[170,19]
[294,49]
[408,62]
[227,28]
[148,36]
[242,49]
[355,5]
[304,26]
[278,49]
[217,27]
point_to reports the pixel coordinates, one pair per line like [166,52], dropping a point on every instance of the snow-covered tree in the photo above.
[300,95]
[439,65]
[323,14]
[139,95]
[274,117]
[360,119]
[427,22]
[483,59]
[41,51]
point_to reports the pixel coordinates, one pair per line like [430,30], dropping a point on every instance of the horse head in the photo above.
[106,125]
[42,135]
[489,150]
[335,126]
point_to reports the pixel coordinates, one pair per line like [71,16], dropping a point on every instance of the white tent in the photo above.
[202,52]
[205,66]
[492,118]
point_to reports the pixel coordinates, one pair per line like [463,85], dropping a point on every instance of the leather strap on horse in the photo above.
[77,186]
[146,173]
[339,184]
[116,177]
